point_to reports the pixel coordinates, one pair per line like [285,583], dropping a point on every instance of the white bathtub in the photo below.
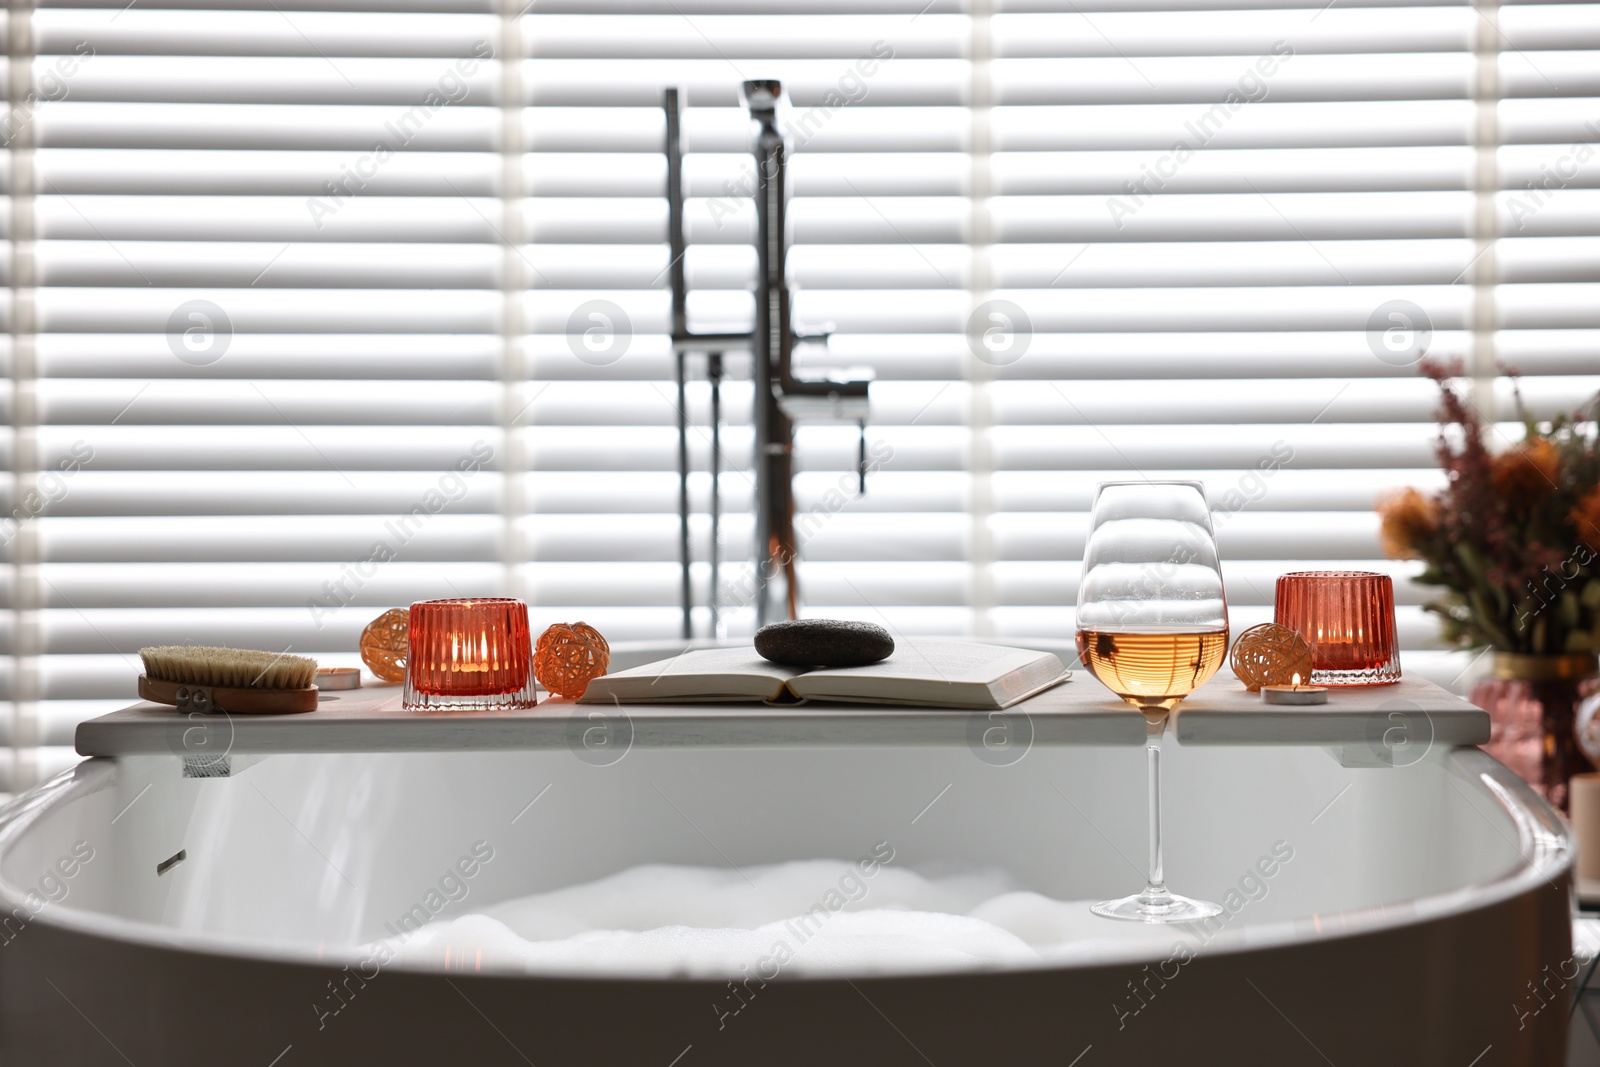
[1424,917]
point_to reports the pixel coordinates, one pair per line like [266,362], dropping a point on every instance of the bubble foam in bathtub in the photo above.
[854,942]
[656,895]
[811,917]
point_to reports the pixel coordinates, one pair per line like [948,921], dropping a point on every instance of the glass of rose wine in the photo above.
[1153,626]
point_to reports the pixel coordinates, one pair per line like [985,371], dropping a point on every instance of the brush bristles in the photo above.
[238,668]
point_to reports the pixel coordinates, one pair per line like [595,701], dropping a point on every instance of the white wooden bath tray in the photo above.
[1080,712]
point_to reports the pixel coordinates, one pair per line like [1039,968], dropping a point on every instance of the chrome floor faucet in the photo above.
[782,398]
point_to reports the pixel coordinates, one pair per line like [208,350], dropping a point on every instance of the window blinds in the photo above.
[319,307]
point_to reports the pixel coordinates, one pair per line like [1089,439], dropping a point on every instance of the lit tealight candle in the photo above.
[468,655]
[1294,693]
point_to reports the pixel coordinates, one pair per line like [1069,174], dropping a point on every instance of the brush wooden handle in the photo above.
[225,698]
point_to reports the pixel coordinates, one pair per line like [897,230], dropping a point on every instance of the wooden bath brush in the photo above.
[234,680]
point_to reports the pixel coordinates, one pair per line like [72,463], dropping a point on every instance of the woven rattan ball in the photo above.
[567,657]
[383,644]
[1270,654]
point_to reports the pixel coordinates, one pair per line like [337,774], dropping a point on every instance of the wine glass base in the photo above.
[1166,908]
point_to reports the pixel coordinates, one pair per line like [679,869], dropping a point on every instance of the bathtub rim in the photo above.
[1544,842]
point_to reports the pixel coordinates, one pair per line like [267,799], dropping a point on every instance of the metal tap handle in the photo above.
[861,458]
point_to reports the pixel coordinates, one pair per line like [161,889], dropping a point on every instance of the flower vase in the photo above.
[1533,704]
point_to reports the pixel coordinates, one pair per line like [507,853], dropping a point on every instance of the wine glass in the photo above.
[1152,625]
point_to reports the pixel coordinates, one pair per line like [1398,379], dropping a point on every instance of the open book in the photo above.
[937,674]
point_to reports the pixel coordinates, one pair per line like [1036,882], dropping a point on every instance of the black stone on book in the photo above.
[823,643]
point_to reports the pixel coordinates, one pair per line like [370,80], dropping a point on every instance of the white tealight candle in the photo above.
[1294,694]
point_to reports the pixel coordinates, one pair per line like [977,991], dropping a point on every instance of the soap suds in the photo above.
[810,917]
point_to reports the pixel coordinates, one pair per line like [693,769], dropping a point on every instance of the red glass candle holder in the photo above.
[1347,617]
[469,655]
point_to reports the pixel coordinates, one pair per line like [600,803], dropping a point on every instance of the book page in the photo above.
[711,673]
[713,661]
[956,662]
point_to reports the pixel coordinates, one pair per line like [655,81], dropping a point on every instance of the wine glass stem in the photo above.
[1156,888]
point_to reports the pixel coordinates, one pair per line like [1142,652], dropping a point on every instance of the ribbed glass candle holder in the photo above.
[1347,617]
[469,655]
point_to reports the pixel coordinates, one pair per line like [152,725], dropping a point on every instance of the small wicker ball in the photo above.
[568,656]
[1270,654]
[384,642]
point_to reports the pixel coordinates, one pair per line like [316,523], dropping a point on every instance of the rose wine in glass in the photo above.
[1153,627]
[1152,670]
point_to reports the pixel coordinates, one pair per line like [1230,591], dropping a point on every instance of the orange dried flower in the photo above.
[1586,517]
[1527,473]
[1409,521]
